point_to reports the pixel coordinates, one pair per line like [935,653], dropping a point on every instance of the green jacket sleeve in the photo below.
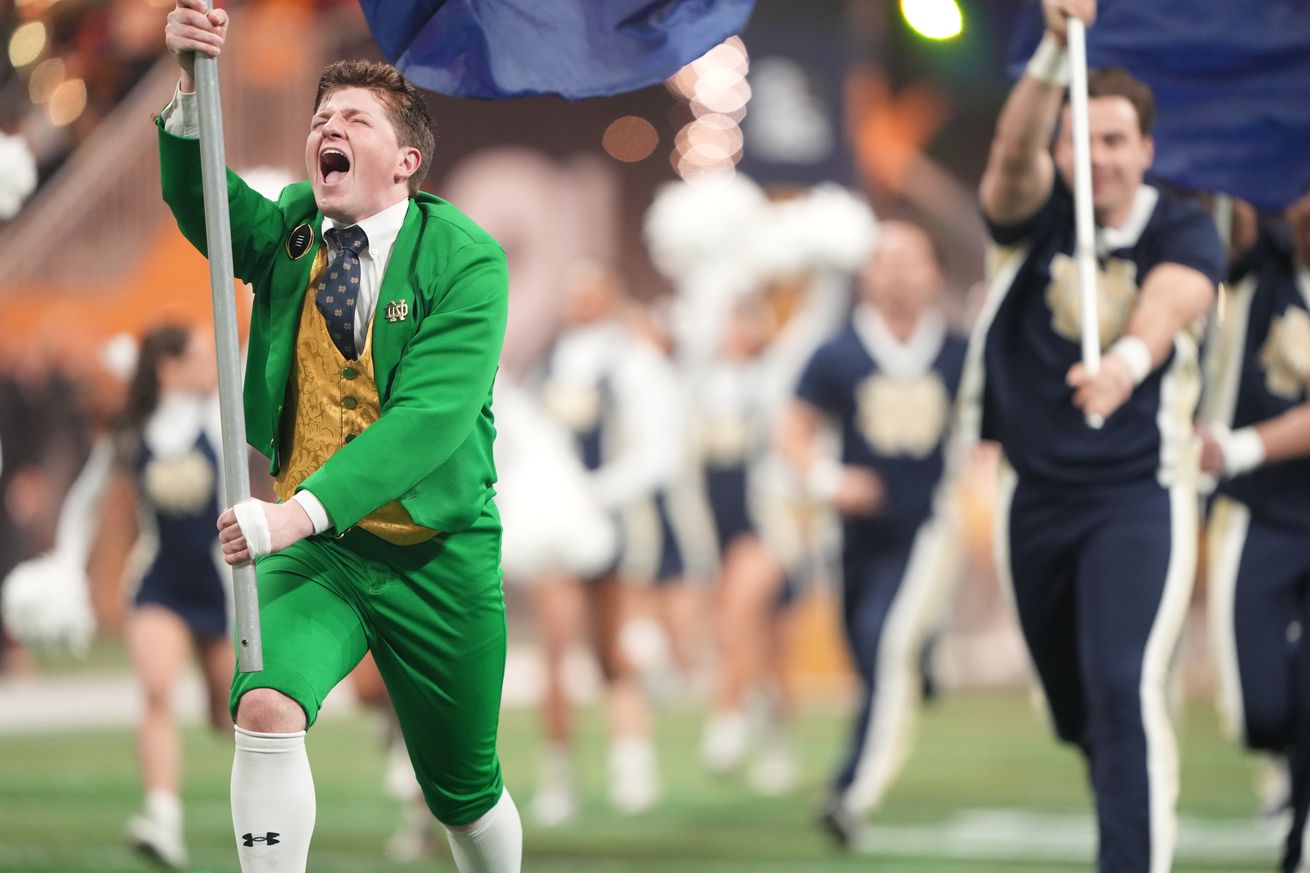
[441,387]
[258,225]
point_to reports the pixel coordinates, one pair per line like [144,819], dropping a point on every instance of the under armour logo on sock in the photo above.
[269,839]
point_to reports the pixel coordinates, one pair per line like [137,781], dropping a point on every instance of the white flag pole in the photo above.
[1085,226]
[218,236]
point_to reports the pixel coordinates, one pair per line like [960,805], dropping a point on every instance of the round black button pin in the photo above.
[299,241]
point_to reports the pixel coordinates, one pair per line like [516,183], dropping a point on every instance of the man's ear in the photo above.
[408,165]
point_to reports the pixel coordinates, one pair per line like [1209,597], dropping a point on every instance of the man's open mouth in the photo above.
[333,164]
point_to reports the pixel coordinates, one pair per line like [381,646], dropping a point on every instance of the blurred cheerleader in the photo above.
[753,595]
[760,282]
[168,449]
[616,395]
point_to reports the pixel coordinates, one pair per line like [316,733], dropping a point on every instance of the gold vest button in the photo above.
[349,402]
[349,437]
[349,373]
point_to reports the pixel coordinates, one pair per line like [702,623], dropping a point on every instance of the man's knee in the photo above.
[464,828]
[484,812]
[264,710]
[463,813]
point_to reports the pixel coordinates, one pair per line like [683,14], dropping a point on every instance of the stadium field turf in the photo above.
[986,790]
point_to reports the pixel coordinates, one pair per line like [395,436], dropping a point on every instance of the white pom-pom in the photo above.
[47,605]
[829,229]
[552,521]
[268,181]
[18,180]
[689,225]
[721,239]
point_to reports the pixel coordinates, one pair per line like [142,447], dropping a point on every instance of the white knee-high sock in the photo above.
[272,802]
[494,844]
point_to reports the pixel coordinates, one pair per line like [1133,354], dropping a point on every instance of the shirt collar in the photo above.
[1110,239]
[381,228]
[585,352]
[901,359]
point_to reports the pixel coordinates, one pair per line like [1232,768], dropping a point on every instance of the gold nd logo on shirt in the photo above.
[1116,287]
[902,416]
[1286,354]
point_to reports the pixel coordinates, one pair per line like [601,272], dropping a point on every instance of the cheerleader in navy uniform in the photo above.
[760,280]
[169,446]
[734,422]
[887,383]
[1259,532]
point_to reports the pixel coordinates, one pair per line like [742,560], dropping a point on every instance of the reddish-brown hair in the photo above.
[406,109]
[1118,82]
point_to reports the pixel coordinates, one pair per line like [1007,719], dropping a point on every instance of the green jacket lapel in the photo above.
[397,296]
[290,276]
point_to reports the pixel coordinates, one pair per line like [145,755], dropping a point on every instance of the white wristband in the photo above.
[1243,450]
[314,509]
[1050,63]
[254,527]
[1133,352]
[824,479]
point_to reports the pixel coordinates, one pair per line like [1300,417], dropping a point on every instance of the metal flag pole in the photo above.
[1085,246]
[218,241]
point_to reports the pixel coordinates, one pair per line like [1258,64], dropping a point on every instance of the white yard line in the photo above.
[1023,835]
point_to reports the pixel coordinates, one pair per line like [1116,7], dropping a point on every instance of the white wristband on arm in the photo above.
[1243,450]
[314,509]
[1050,63]
[1133,352]
[824,479]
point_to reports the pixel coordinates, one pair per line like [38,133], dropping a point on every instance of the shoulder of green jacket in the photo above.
[462,229]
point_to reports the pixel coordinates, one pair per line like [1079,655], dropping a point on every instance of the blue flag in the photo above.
[571,48]
[1231,80]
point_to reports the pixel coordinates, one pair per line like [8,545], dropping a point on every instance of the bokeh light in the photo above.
[27,43]
[67,102]
[934,19]
[45,79]
[630,139]
[715,89]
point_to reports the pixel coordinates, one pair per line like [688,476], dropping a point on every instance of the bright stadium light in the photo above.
[934,19]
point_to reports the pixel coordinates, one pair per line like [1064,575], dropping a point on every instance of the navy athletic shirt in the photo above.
[1033,338]
[893,403]
[1275,371]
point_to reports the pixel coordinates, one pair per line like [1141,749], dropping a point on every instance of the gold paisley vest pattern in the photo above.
[334,400]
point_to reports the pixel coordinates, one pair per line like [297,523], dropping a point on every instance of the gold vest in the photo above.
[334,400]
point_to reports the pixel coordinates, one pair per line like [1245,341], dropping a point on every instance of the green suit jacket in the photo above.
[431,446]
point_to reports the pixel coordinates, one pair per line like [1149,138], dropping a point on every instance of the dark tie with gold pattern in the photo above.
[339,289]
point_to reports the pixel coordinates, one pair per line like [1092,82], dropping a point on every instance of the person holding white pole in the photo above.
[378,320]
[1257,445]
[1096,526]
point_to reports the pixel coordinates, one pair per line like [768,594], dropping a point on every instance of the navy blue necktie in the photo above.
[339,289]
